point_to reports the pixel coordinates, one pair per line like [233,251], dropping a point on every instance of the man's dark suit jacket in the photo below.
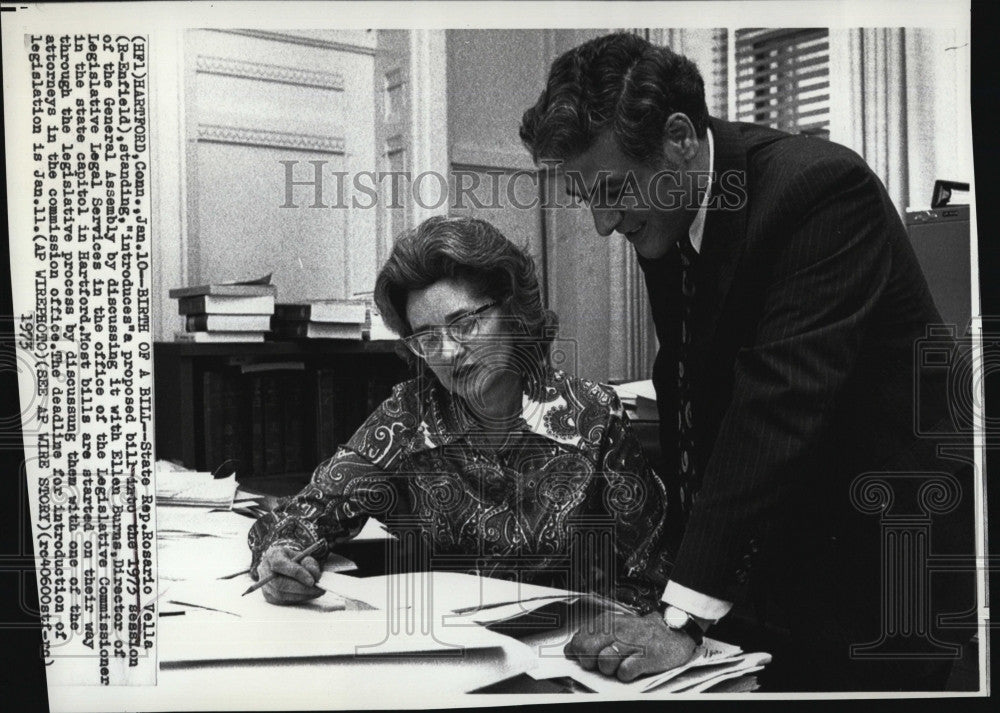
[809,312]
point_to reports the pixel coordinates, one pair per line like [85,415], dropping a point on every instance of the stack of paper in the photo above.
[639,399]
[192,488]
[713,663]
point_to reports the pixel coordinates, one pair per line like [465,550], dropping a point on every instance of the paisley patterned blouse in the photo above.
[566,498]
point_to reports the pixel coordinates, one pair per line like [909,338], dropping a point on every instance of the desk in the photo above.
[490,662]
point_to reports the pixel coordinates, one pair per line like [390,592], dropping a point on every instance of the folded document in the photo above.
[712,663]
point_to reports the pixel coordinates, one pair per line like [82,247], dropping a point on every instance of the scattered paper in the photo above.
[266,631]
[179,521]
[737,673]
[195,489]
[712,660]
[633,389]
[372,531]
[227,596]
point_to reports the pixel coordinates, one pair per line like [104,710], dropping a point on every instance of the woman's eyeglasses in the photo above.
[461,329]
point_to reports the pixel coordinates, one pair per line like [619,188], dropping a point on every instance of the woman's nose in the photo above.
[606,220]
[447,351]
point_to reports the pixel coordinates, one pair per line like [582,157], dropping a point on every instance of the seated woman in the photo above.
[491,460]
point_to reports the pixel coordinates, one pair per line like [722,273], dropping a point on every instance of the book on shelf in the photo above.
[293,394]
[257,424]
[226,434]
[339,311]
[213,417]
[208,337]
[317,330]
[247,288]
[338,410]
[274,426]
[222,304]
[378,330]
[237,420]
[228,323]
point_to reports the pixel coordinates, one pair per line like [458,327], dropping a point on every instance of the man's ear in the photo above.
[680,141]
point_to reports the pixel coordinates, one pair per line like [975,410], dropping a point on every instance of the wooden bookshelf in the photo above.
[205,408]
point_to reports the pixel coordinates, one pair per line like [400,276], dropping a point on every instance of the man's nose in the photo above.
[606,220]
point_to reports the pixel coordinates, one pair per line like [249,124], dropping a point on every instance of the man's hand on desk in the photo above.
[295,582]
[628,646]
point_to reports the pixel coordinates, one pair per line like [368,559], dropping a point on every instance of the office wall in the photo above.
[493,76]
[230,106]
[253,103]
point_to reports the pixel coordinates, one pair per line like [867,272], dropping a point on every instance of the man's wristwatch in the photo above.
[680,620]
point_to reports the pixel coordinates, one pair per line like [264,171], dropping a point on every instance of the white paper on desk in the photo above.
[443,592]
[227,596]
[709,669]
[551,664]
[629,391]
[372,531]
[308,634]
[709,653]
[195,489]
[174,521]
[506,612]
[196,558]
[737,673]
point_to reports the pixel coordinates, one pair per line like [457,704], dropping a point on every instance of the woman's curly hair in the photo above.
[475,251]
[620,82]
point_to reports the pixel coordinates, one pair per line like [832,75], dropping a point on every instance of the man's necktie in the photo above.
[689,480]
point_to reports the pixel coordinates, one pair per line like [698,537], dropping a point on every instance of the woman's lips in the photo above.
[463,373]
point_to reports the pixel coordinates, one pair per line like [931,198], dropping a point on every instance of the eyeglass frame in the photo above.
[412,340]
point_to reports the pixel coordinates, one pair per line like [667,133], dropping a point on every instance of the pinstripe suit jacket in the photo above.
[809,310]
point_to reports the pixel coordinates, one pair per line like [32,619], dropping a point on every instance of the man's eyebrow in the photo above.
[604,182]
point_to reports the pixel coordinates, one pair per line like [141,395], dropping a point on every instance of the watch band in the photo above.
[692,629]
[690,626]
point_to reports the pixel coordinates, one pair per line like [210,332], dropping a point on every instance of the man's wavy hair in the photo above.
[620,82]
[475,251]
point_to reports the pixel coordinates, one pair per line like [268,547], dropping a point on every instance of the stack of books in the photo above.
[378,330]
[225,312]
[321,319]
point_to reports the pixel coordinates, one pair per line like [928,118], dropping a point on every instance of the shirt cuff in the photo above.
[695,603]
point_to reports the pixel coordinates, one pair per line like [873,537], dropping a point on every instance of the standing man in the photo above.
[788,305]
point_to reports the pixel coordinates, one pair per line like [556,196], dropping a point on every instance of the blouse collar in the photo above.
[558,411]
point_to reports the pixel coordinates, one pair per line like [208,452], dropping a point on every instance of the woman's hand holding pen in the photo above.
[295,582]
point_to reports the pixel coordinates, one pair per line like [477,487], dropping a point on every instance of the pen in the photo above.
[296,559]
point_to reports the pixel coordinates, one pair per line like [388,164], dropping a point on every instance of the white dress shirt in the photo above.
[684,598]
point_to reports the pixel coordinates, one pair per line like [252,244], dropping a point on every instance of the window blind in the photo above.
[783,79]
